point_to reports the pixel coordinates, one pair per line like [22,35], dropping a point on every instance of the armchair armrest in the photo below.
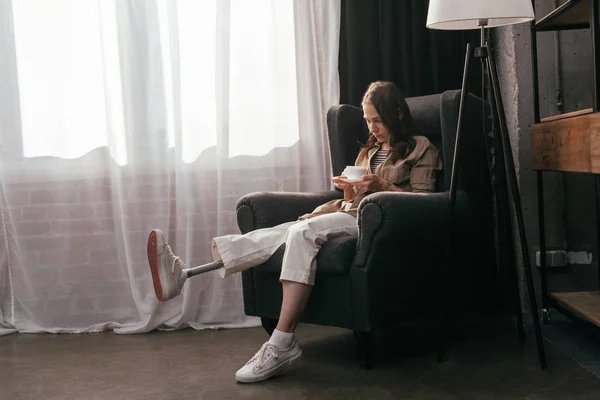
[400,250]
[268,209]
[406,217]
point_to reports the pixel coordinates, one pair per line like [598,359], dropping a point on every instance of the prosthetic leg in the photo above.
[201,269]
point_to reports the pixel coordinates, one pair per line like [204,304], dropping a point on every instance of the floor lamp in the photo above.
[482,14]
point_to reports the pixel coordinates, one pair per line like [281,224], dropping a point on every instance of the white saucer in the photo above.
[350,180]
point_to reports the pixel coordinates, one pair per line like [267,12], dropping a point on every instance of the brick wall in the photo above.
[74,242]
[71,242]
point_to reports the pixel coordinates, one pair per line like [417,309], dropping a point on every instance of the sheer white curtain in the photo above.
[117,117]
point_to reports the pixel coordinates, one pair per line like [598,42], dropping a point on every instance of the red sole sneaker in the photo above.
[153,261]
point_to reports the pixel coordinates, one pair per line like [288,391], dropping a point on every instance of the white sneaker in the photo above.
[165,267]
[268,362]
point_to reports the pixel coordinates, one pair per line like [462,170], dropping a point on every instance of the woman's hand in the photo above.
[347,187]
[373,183]
[338,182]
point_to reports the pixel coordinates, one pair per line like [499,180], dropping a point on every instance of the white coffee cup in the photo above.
[354,173]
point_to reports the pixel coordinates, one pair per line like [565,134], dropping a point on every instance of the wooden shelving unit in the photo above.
[574,14]
[568,143]
[585,305]
[568,115]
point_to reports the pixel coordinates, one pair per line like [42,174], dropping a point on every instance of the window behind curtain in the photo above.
[227,75]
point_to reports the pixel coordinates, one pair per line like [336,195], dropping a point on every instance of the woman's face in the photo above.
[376,127]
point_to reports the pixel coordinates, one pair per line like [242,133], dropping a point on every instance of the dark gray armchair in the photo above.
[393,271]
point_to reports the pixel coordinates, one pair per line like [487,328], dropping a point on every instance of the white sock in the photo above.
[283,340]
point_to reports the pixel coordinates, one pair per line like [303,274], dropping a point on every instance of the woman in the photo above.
[397,160]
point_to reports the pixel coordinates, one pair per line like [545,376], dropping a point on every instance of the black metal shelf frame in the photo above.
[572,8]
[571,15]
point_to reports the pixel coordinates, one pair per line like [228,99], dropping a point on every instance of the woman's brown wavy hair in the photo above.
[390,104]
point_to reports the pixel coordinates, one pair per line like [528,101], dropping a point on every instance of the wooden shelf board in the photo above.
[574,14]
[567,115]
[585,304]
[568,144]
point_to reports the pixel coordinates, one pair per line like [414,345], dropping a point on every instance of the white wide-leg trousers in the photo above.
[302,239]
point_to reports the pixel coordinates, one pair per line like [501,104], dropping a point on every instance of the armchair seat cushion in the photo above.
[335,257]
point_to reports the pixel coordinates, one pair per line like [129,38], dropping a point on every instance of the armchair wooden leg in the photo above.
[269,324]
[364,348]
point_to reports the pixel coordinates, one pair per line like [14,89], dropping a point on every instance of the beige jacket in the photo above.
[415,173]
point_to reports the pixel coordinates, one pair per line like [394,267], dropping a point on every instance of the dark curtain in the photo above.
[388,40]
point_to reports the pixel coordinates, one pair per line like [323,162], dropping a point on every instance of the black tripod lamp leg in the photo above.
[512,179]
[444,290]
[459,128]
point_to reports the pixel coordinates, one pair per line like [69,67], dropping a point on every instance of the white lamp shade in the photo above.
[466,14]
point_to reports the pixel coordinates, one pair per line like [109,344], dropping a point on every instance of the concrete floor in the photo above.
[201,365]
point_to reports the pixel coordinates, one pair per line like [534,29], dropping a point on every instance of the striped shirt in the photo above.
[378,158]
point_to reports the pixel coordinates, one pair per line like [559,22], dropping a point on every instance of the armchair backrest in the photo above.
[434,116]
